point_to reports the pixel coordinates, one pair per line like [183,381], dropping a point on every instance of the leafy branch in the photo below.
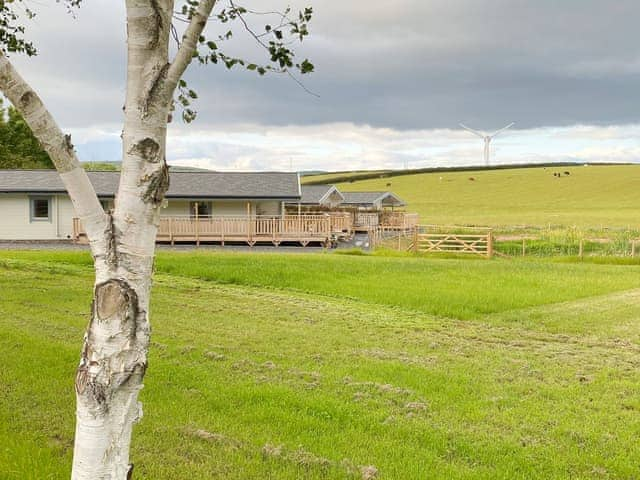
[276,39]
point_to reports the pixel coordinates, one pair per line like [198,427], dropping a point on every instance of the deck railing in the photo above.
[366,220]
[386,220]
[399,220]
[251,229]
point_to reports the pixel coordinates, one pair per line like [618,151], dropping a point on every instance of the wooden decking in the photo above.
[302,229]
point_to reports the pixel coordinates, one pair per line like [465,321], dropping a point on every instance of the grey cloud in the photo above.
[408,64]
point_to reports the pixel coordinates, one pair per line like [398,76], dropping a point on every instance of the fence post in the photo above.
[171,230]
[415,239]
[524,247]
[581,249]
[633,248]
[490,244]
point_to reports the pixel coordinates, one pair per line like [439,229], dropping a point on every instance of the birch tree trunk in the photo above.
[114,356]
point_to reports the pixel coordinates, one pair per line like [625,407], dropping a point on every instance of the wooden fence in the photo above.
[463,240]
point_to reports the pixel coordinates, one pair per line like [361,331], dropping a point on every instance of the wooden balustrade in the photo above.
[304,229]
[399,220]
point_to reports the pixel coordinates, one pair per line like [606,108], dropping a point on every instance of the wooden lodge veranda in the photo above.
[300,229]
[304,229]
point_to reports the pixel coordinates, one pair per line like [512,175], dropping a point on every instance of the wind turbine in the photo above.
[487,139]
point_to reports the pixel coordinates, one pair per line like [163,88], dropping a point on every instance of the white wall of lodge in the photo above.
[17,221]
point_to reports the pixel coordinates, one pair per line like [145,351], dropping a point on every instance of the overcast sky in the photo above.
[394,79]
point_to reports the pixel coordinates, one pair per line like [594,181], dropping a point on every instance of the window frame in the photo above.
[207,204]
[32,208]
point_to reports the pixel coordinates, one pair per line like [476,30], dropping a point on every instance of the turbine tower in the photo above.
[487,139]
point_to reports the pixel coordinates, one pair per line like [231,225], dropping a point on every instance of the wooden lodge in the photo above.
[368,210]
[205,206]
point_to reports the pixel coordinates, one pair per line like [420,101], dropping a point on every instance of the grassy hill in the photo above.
[270,372]
[592,196]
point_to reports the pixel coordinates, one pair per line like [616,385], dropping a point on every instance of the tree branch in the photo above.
[57,145]
[189,45]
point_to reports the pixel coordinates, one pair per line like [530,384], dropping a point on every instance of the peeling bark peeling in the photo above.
[157,24]
[111,243]
[154,94]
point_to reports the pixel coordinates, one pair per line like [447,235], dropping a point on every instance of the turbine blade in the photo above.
[475,132]
[502,129]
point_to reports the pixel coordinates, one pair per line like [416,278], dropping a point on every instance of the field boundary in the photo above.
[455,239]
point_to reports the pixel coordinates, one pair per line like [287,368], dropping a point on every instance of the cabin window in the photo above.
[40,209]
[107,204]
[203,209]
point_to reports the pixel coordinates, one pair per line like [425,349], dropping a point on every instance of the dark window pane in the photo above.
[40,208]
[204,209]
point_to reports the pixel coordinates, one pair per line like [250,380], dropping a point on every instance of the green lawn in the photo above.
[592,196]
[455,288]
[288,367]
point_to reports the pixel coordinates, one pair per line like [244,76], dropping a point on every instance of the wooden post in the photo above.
[222,231]
[633,248]
[249,222]
[171,231]
[415,239]
[581,248]
[197,226]
[524,247]
[490,244]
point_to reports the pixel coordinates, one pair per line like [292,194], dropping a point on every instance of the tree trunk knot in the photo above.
[148,149]
[26,98]
[68,146]
[109,357]
[157,186]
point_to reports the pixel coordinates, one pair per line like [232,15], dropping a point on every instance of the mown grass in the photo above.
[590,196]
[247,382]
[450,287]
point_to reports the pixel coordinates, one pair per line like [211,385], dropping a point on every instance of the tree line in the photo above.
[19,148]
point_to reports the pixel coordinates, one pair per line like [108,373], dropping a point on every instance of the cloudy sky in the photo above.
[394,80]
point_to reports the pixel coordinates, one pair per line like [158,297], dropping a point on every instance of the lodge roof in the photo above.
[196,184]
[372,198]
[316,194]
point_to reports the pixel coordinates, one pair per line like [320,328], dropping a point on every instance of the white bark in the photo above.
[114,356]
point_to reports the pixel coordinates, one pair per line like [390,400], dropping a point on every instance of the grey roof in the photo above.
[370,198]
[315,194]
[240,185]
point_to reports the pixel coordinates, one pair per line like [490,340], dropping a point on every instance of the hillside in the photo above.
[591,196]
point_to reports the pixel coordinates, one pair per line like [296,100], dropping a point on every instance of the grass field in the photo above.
[287,367]
[592,196]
